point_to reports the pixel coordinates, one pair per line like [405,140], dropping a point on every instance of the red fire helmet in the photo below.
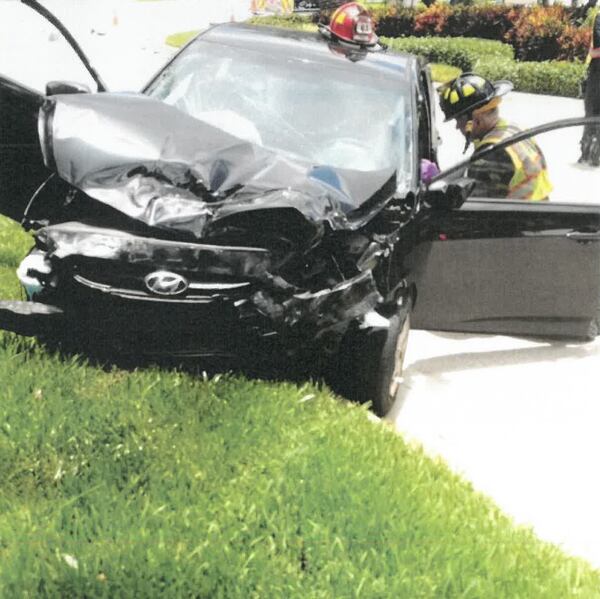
[352,23]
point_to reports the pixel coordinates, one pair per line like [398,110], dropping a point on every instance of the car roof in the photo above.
[309,46]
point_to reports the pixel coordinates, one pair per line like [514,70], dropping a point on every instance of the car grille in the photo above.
[196,292]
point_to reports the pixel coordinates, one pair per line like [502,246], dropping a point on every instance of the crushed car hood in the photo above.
[167,169]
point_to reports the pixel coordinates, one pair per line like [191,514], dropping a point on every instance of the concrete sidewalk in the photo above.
[519,418]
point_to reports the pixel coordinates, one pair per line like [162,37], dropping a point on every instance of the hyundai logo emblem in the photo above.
[163,282]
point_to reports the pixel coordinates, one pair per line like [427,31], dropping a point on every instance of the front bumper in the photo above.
[220,300]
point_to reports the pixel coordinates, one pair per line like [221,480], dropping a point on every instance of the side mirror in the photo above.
[66,87]
[448,195]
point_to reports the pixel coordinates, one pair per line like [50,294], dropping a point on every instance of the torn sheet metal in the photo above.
[167,169]
[326,308]
[96,259]
[175,220]
[330,307]
[79,241]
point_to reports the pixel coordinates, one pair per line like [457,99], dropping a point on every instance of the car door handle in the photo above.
[584,235]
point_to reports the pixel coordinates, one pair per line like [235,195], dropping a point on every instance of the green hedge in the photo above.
[536,33]
[553,78]
[464,53]
[298,21]
[494,60]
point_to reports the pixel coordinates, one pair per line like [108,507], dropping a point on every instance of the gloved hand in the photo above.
[429,170]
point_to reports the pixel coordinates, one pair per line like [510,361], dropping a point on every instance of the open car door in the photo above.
[21,165]
[22,168]
[496,265]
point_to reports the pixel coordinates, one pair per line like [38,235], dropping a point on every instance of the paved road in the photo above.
[519,418]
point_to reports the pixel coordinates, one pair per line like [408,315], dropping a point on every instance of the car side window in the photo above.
[428,136]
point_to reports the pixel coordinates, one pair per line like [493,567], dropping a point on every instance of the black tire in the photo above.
[388,371]
[369,365]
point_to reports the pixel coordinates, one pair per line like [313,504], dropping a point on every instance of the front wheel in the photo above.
[369,364]
[388,366]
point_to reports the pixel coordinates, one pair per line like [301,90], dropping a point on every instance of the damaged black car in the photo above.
[251,203]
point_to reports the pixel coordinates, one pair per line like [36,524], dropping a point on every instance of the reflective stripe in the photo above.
[516,159]
[535,188]
[594,53]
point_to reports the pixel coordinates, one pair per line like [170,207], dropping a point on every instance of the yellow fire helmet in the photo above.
[468,92]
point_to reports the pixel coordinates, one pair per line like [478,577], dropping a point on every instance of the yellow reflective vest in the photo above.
[531,180]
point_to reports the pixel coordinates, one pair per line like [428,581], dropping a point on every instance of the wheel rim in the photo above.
[399,353]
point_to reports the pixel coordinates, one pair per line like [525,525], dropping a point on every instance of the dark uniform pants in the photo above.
[590,142]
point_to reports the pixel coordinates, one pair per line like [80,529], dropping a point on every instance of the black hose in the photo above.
[564,123]
[33,4]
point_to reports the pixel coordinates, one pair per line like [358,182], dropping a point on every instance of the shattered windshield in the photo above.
[343,119]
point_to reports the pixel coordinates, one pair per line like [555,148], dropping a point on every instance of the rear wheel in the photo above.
[369,365]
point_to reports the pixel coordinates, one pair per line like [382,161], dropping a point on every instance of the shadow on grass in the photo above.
[252,364]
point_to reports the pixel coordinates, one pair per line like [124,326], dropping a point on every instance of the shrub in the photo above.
[294,21]
[399,23]
[574,43]
[591,15]
[433,20]
[494,60]
[490,22]
[536,33]
[553,78]
[463,53]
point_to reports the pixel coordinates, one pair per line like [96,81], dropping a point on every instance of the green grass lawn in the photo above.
[156,483]
[177,40]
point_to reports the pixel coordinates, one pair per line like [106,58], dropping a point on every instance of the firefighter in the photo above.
[518,172]
[590,141]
